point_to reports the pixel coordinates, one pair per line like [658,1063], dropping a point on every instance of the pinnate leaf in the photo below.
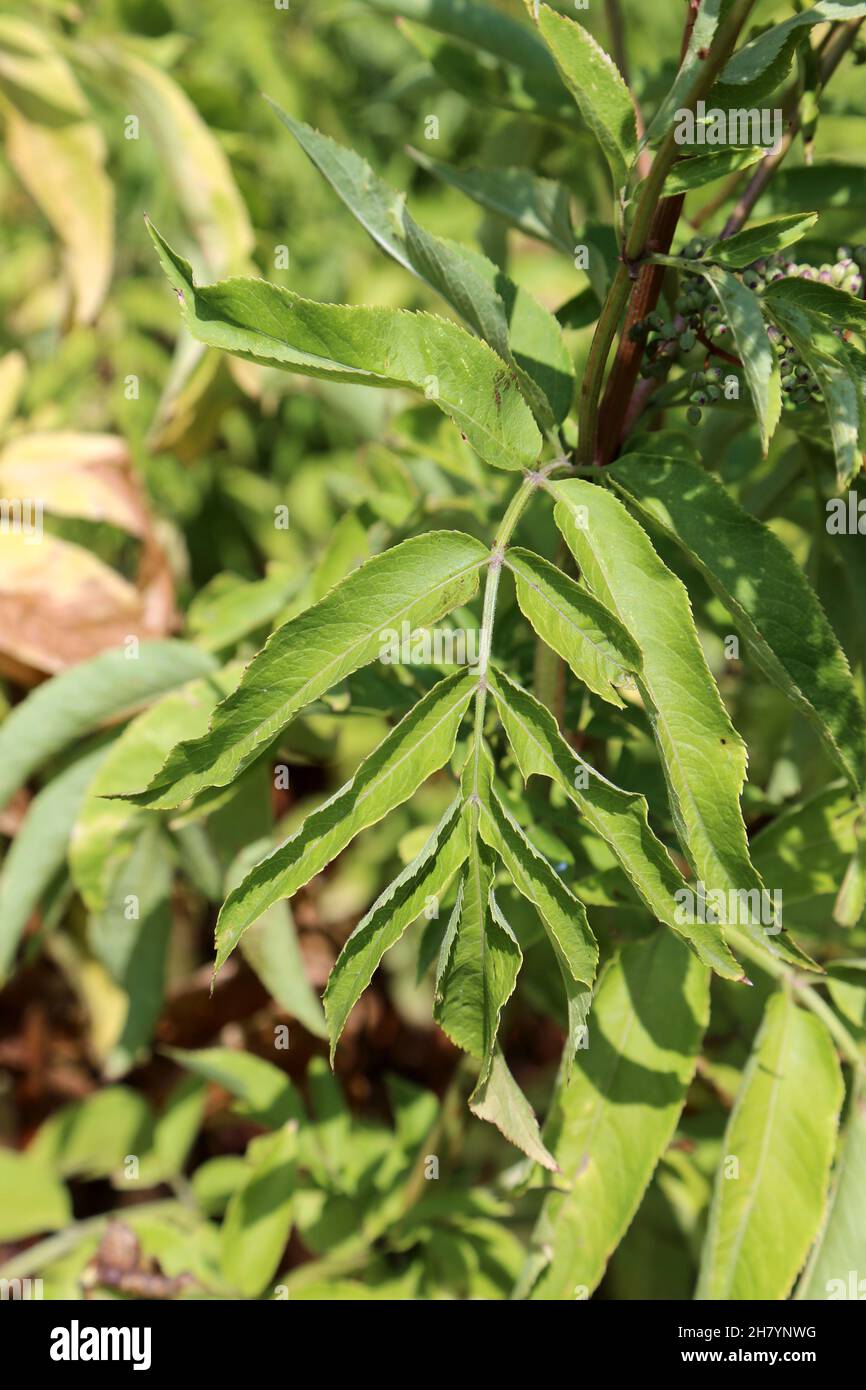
[618,816]
[425,877]
[505,316]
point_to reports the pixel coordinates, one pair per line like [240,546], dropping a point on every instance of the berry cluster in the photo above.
[698,327]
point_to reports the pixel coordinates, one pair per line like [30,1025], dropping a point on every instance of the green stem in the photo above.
[805,992]
[491,589]
[635,244]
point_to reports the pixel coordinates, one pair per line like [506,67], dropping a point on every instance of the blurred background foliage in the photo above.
[194,502]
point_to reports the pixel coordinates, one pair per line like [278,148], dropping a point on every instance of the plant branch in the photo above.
[635,246]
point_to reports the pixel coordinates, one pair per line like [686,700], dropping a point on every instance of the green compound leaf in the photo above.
[417,582]
[782,1133]
[610,1126]
[421,743]
[704,758]
[264,323]
[562,915]
[758,580]
[838,366]
[742,310]
[761,65]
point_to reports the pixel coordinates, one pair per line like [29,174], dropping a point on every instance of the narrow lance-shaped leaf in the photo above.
[841,1246]
[415,582]
[610,1126]
[75,702]
[425,877]
[38,851]
[270,946]
[478,962]
[562,915]
[505,316]
[538,207]
[420,744]
[838,367]
[757,578]
[782,1133]
[742,310]
[373,347]
[578,628]
[594,81]
[259,1214]
[761,65]
[499,1100]
[704,759]
[759,239]
[702,169]
[618,816]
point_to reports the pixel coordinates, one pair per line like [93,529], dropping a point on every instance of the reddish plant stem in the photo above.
[616,420]
[626,365]
[644,297]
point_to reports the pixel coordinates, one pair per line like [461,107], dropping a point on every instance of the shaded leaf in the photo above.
[610,1126]
[782,1133]
[758,580]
